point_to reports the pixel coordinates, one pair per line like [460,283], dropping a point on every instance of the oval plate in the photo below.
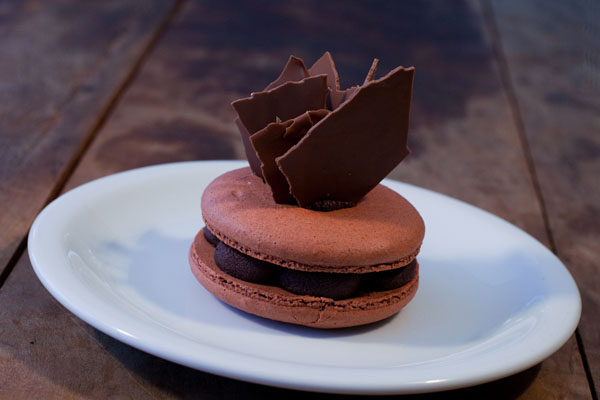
[492,301]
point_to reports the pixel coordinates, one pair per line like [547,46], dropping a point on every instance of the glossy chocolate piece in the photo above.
[353,148]
[251,155]
[325,65]
[242,266]
[294,70]
[301,124]
[332,163]
[284,102]
[276,139]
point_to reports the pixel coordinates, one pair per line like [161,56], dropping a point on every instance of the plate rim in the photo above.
[276,378]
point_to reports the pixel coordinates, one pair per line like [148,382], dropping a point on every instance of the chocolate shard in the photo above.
[342,96]
[294,70]
[276,139]
[325,65]
[320,159]
[353,148]
[270,143]
[286,102]
[302,123]
[372,71]
[250,153]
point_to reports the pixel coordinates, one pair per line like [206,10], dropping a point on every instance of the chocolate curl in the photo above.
[276,139]
[353,148]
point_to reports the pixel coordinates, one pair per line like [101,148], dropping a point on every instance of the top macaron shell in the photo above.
[382,230]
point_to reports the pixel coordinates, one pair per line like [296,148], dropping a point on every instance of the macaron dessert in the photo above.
[306,234]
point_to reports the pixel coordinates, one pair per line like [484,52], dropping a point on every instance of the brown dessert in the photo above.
[307,234]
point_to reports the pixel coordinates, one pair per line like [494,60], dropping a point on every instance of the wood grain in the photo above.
[47,352]
[464,140]
[61,64]
[552,55]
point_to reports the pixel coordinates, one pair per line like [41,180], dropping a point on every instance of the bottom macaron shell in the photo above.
[280,305]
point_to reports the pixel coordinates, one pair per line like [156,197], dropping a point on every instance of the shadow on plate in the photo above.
[185,382]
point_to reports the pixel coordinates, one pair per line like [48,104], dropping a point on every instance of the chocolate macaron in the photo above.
[306,234]
[345,250]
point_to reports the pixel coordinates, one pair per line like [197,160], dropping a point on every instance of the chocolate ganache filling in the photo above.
[336,286]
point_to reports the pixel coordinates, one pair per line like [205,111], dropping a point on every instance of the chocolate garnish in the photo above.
[276,139]
[372,71]
[325,65]
[345,95]
[250,153]
[302,123]
[286,102]
[270,143]
[334,162]
[294,70]
[353,148]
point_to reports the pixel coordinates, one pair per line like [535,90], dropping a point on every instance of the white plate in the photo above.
[492,300]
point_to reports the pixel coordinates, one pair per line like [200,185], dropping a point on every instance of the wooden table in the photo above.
[506,116]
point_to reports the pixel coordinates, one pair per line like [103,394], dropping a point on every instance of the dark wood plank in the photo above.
[463,138]
[61,64]
[460,109]
[47,352]
[551,52]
